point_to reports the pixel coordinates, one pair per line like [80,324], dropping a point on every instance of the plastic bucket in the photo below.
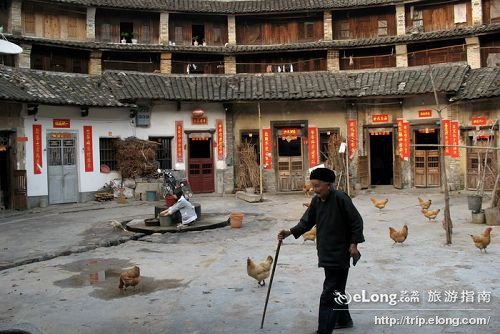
[236,219]
[474,202]
[150,196]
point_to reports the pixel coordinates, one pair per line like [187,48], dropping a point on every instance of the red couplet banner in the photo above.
[267,144]
[88,148]
[178,141]
[37,149]
[220,139]
[313,146]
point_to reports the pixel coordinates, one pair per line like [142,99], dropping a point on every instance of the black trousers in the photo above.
[330,311]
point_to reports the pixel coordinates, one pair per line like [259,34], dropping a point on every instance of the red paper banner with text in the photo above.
[178,141]
[313,147]
[37,149]
[352,136]
[455,135]
[446,128]
[88,148]
[220,139]
[403,139]
[267,144]
[406,140]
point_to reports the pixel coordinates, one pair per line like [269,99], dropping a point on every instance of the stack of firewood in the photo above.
[136,157]
[104,196]
[247,169]
[336,160]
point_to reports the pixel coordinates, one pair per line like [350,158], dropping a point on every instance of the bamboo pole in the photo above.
[260,150]
[444,179]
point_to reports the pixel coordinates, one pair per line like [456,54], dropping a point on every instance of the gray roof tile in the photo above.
[54,88]
[480,83]
[287,86]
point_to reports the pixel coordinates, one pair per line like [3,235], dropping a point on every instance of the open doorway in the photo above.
[381,157]
[290,159]
[198,34]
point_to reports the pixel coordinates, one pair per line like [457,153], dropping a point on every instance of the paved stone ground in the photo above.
[196,282]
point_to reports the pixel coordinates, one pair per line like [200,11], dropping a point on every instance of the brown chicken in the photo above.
[310,235]
[482,240]
[424,204]
[398,236]
[259,271]
[130,277]
[380,204]
[430,214]
[306,204]
[307,188]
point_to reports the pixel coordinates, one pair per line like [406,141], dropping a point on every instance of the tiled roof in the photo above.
[231,7]
[480,83]
[54,88]
[240,49]
[286,86]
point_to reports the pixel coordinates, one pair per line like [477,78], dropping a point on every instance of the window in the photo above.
[72,27]
[324,138]
[146,33]
[29,23]
[382,27]
[107,152]
[163,151]
[252,137]
[309,30]
[344,30]
[217,35]
[178,35]
[417,17]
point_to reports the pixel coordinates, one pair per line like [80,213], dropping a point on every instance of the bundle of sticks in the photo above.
[136,157]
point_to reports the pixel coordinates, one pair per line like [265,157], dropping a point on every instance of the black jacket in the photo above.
[338,224]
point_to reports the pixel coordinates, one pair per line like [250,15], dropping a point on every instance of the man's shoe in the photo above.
[348,324]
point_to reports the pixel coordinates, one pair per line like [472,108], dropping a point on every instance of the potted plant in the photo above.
[127,37]
[195,40]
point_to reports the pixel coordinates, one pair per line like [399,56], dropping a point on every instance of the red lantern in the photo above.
[198,112]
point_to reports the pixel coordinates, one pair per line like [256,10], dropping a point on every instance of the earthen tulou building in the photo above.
[201,77]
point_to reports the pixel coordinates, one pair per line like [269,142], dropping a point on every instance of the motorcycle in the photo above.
[170,183]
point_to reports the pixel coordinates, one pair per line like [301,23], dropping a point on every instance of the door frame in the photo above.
[76,135]
[414,127]
[212,153]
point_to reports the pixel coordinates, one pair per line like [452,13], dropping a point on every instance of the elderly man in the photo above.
[339,230]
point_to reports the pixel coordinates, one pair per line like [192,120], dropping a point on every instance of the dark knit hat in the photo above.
[323,174]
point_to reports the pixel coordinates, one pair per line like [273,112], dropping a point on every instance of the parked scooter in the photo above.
[170,183]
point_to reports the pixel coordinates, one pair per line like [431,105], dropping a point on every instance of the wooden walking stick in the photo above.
[271,282]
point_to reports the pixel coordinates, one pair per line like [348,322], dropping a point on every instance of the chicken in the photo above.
[431,214]
[380,204]
[306,204]
[398,236]
[307,188]
[117,225]
[259,271]
[482,240]
[130,277]
[424,204]
[310,235]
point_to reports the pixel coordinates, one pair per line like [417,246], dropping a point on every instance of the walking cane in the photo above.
[271,282]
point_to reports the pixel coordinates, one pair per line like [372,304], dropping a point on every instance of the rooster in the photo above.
[117,225]
[310,235]
[380,204]
[424,204]
[430,214]
[130,277]
[482,240]
[259,271]
[398,236]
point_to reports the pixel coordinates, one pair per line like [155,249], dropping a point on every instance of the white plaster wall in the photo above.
[104,122]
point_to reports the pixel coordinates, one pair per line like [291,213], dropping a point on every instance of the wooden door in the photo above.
[51,27]
[398,180]
[363,175]
[290,173]
[201,164]
[476,167]
[426,168]
[20,190]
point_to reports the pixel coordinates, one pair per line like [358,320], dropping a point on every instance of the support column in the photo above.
[24,59]
[332,61]
[166,63]
[477,12]
[229,65]
[16,27]
[95,66]
[473,52]
[327,26]
[231,29]
[91,23]
[164,28]
[400,20]
[401,55]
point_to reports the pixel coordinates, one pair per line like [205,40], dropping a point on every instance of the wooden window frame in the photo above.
[382,27]
[163,151]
